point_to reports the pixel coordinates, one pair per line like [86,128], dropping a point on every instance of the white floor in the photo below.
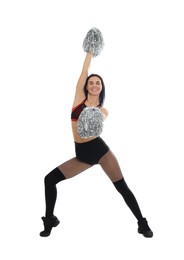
[142,67]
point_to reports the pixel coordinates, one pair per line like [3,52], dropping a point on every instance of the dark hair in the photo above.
[102,93]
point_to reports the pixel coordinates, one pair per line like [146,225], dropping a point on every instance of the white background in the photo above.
[142,66]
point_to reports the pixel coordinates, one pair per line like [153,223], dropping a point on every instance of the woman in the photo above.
[90,92]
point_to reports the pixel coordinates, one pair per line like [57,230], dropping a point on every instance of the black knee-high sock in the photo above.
[129,198]
[51,180]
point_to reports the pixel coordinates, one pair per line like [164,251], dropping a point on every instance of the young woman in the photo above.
[90,92]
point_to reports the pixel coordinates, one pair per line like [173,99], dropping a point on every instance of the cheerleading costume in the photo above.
[89,152]
[92,151]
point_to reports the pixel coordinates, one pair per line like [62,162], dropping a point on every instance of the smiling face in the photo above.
[94,86]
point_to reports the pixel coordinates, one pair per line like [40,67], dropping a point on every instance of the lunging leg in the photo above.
[111,167]
[66,170]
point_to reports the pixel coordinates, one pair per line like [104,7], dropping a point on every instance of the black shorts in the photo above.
[91,152]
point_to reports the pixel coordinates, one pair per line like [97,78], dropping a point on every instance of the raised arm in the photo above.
[79,93]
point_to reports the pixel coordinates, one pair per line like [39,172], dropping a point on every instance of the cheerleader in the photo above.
[87,117]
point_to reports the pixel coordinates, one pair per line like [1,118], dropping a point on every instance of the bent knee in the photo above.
[54,177]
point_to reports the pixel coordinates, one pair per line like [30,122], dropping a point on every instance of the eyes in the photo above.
[92,82]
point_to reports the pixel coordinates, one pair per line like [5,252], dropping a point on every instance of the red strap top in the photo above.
[77,110]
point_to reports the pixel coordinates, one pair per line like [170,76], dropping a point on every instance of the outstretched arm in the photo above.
[79,94]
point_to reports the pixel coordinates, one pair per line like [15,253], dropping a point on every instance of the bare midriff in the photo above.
[77,137]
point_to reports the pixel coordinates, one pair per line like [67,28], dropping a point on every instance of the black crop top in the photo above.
[77,110]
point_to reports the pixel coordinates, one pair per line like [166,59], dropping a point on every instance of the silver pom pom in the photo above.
[93,42]
[90,122]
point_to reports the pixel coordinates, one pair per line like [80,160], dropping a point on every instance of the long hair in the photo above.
[102,93]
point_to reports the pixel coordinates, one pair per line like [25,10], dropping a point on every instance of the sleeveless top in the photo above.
[77,110]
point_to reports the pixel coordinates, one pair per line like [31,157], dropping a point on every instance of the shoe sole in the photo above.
[148,235]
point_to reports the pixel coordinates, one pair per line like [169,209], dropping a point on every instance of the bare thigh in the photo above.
[73,167]
[111,166]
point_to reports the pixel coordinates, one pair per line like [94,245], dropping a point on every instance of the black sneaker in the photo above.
[49,223]
[144,229]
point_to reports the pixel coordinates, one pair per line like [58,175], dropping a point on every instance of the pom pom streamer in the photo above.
[93,42]
[90,122]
